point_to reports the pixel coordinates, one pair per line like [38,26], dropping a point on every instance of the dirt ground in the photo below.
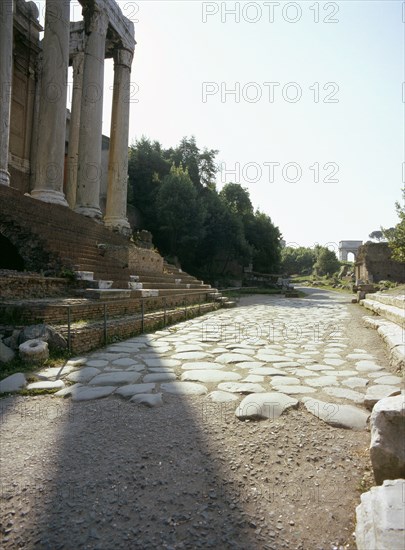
[110,474]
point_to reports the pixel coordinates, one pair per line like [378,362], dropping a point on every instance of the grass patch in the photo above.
[33,393]
[56,359]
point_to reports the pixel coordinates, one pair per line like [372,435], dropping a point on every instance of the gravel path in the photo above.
[111,473]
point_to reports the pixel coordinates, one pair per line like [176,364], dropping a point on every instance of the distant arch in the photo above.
[351,256]
[346,247]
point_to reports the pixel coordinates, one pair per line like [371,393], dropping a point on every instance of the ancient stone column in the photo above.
[50,164]
[91,117]
[116,208]
[74,130]
[6,75]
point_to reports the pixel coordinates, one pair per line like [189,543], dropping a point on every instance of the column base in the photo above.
[89,211]
[49,195]
[4,177]
[121,225]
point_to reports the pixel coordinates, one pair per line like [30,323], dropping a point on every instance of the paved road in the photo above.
[300,348]
[163,462]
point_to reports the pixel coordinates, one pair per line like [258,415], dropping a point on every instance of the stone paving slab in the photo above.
[148,399]
[294,390]
[210,375]
[46,385]
[87,393]
[52,373]
[219,365]
[131,389]
[184,388]
[83,375]
[340,416]
[241,387]
[265,406]
[219,396]
[115,378]
[159,377]
[375,393]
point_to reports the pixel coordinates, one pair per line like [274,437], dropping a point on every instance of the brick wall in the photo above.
[31,313]
[32,287]
[89,338]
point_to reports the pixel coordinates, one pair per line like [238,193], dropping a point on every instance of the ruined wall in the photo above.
[136,259]
[374,264]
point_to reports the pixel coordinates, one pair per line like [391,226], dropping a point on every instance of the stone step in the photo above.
[174,285]
[166,279]
[388,299]
[84,275]
[173,292]
[392,313]
[393,336]
[229,304]
[106,294]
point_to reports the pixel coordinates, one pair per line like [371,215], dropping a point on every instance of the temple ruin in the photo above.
[37,155]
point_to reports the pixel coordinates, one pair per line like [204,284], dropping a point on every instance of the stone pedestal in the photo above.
[74,130]
[6,73]
[89,165]
[116,209]
[52,112]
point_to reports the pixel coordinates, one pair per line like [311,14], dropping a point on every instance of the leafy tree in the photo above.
[223,237]
[180,215]
[326,261]
[146,169]
[377,235]
[175,193]
[201,166]
[396,235]
[264,237]
[237,199]
[297,261]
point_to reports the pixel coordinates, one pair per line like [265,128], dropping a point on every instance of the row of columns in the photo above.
[84,151]
[6,75]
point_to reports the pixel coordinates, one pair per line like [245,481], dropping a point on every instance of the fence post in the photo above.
[69,343]
[185,308]
[199,304]
[165,310]
[105,323]
[142,315]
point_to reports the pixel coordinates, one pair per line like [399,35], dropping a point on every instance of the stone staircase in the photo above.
[109,298]
[389,321]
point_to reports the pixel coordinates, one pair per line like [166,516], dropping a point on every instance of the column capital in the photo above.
[97,21]
[123,57]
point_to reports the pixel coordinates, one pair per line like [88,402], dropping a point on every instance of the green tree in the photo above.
[326,261]
[146,169]
[180,215]
[237,199]
[376,235]
[223,237]
[297,261]
[201,166]
[264,237]
[396,235]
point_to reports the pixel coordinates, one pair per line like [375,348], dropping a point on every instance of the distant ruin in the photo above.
[347,247]
[374,264]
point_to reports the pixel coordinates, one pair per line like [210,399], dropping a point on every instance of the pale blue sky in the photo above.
[361,134]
